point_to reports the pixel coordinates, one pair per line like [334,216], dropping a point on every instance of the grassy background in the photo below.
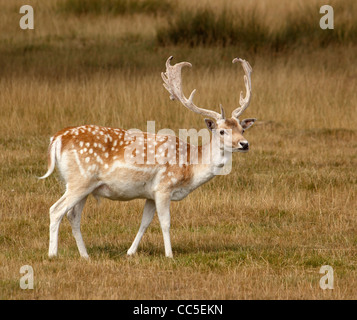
[264,231]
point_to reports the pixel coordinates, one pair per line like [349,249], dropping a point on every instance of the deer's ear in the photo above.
[247,123]
[210,124]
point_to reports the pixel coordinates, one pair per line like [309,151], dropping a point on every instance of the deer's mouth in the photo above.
[237,149]
[241,149]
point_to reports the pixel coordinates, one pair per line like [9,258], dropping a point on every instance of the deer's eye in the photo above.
[243,131]
[221,132]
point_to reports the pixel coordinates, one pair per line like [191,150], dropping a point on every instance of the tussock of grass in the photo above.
[249,29]
[302,28]
[204,27]
[97,7]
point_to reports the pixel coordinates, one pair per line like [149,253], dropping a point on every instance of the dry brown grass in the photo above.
[262,232]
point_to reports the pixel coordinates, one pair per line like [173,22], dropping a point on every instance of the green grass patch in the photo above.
[116,7]
[248,29]
[206,28]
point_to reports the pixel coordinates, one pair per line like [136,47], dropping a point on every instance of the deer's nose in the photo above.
[244,145]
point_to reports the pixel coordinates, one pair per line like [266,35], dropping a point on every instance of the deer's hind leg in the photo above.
[72,197]
[74,217]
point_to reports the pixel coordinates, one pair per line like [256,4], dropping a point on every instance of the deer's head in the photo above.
[229,131]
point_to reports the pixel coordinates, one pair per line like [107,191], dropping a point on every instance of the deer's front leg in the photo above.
[148,214]
[162,201]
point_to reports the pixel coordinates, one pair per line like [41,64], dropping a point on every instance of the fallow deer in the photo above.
[97,160]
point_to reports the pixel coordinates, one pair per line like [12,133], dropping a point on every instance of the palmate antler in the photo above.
[173,84]
[244,102]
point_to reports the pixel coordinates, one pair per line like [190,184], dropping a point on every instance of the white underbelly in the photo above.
[124,192]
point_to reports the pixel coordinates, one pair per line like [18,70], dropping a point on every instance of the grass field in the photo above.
[263,231]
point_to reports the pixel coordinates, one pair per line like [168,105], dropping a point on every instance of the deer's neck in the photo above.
[212,159]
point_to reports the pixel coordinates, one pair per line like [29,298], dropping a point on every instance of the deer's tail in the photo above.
[51,156]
